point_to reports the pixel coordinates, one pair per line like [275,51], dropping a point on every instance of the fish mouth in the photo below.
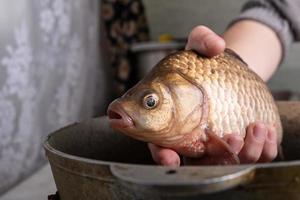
[117,116]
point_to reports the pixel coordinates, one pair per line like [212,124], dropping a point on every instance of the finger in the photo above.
[254,143]
[270,150]
[163,156]
[235,141]
[205,41]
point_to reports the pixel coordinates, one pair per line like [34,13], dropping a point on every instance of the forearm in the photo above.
[257,44]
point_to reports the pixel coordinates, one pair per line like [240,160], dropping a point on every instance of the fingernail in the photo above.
[259,132]
[233,140]
[208,41]
[230,141]
[235,143]
[271,136]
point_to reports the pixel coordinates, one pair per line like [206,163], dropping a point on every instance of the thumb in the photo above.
[164,156]
[205,41]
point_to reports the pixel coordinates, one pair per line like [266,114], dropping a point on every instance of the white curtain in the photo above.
[49,69]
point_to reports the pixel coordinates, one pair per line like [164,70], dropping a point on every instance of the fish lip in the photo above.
[118,123]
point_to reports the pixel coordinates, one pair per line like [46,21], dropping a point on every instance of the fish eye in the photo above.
[150,101]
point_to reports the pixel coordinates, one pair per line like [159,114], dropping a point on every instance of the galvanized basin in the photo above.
[91,161]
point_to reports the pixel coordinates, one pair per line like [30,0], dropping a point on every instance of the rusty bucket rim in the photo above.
[51,149]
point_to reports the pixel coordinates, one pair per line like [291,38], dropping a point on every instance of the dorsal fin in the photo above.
[235,55]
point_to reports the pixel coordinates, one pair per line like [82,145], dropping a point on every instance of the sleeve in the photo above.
[279,15]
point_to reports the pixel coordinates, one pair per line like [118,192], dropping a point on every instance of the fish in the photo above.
[188,102]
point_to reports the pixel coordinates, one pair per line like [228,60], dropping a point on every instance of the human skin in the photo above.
[260,48]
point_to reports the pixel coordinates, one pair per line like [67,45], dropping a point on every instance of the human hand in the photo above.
[205,41]
[260,143]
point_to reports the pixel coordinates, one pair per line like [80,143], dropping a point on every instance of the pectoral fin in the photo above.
[217,152]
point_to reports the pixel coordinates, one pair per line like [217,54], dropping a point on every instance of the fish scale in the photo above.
[236,95]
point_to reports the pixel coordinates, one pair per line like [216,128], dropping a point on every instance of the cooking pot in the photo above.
[90,161]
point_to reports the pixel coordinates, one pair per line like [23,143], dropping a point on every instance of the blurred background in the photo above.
[179,18]
[65,60]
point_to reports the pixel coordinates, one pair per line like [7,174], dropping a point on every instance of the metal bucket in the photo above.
[91,161]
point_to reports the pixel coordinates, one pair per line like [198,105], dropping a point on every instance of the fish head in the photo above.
[160,109]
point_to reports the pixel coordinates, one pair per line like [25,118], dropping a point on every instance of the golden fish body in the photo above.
[236,95]
[186,95]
